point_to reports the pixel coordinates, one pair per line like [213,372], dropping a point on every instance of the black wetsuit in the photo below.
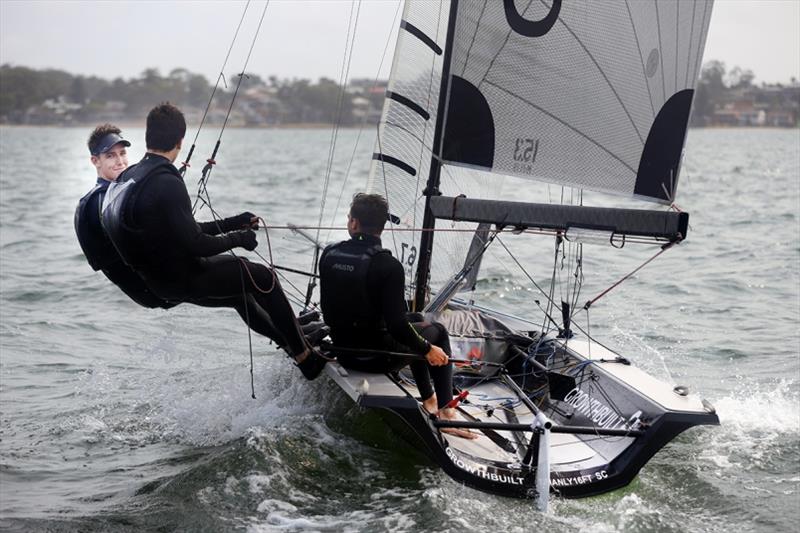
[179,258]
[101,254]
[362,294]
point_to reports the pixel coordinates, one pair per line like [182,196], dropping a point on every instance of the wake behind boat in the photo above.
[585,96]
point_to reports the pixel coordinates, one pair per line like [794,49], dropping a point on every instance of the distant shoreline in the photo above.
[127,125]
[319,126]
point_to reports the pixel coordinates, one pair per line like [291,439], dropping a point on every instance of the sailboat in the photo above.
[586,96]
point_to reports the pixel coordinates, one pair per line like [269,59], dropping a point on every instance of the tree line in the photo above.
[55,96]
[48,95]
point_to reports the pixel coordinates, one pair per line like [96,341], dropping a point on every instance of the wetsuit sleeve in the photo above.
[213,227]
[184,231]
[389,281]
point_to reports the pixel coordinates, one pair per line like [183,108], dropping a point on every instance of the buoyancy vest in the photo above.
[346,306]
[118,205]
[96,246]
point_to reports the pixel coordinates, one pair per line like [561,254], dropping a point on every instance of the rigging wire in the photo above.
[628,275]
[363,122]
[530,278]
[551,297]
[211,161]
[344,74]
[386,192]
[221,77]
[202,183]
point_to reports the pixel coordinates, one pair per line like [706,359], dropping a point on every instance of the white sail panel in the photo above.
[403,149]
[594,95]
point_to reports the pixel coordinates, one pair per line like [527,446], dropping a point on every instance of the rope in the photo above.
[249,336]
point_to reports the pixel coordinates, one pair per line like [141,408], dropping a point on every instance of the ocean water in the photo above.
[117,418]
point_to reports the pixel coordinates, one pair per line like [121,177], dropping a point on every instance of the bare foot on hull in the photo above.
[452,415]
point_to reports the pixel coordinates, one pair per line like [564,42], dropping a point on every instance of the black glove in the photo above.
[245,220]
[245,238]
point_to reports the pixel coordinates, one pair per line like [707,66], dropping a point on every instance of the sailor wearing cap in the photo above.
[110,158]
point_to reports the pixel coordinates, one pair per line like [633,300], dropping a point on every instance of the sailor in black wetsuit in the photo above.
[110,158]
[363,301]
[147,214]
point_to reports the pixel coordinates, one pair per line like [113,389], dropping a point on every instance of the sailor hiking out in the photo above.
[147,214]
[109,156]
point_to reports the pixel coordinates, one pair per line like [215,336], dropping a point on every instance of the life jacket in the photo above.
[117,210]
[346,305]
[96,246]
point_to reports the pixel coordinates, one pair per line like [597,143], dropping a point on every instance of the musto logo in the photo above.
[602,415]
[482,471]
[343,267]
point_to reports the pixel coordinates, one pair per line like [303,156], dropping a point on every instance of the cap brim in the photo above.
[123,142]
[110,141]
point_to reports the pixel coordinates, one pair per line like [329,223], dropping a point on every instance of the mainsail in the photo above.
[591,95]
[594,95]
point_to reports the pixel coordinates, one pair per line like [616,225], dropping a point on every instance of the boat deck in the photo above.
[490,401]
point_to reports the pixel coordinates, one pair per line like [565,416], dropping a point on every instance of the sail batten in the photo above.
[409,103]
[422,36]
[396,162]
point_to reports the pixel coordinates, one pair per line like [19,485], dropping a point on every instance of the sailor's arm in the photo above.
[246,220]
[393,305]
[185,230]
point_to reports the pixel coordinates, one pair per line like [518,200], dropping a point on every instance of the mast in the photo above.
[432,186]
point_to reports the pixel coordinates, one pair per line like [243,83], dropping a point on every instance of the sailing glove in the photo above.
[245,238]
[244,220]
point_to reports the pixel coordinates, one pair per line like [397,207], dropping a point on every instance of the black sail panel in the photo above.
[657,176]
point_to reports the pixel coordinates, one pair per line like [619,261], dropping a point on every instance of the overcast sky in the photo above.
[304,38]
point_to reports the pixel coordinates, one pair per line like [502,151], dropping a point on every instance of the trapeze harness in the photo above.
[101,253]
[118,205]
[96,246]
[345,303]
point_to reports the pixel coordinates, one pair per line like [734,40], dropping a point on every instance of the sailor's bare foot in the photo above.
[431,405]
[450,414]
